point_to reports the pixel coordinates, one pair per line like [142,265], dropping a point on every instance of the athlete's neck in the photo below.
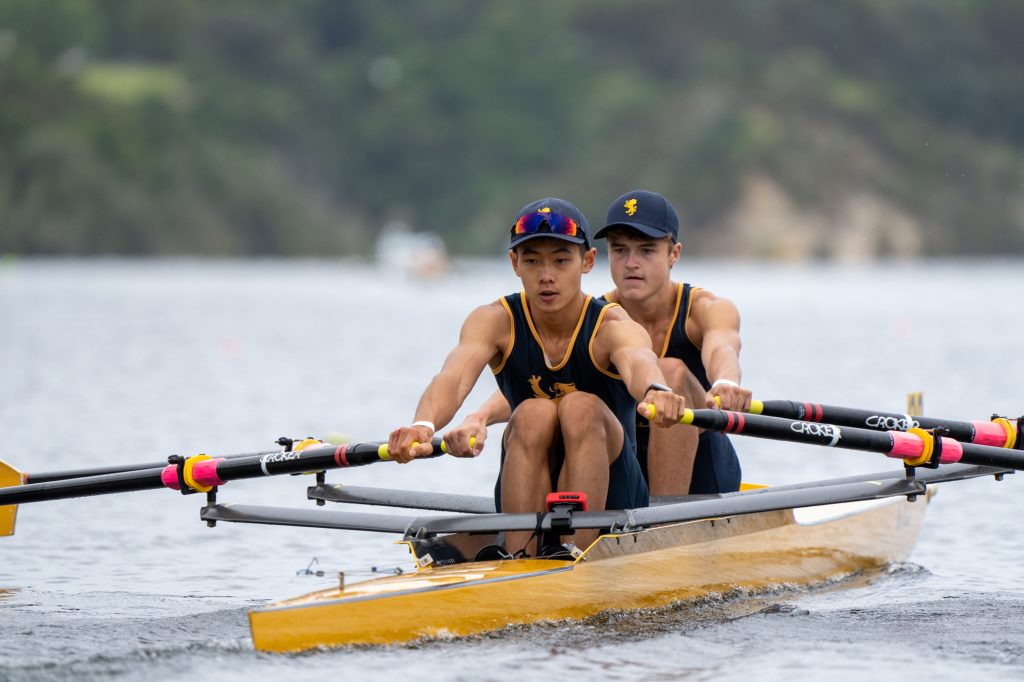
[653,310]
[559,323]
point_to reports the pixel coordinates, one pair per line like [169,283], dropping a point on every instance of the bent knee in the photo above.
[533,423]
[534,408]
[582,411]
[579,405]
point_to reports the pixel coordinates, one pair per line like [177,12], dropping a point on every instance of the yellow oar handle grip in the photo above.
[444,445]
[756,406]
[383,452]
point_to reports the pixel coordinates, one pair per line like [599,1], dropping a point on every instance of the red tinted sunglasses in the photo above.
[531,223]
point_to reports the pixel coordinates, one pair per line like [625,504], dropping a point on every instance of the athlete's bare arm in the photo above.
[714,326]
[484,336]
[495,410]
[625,344]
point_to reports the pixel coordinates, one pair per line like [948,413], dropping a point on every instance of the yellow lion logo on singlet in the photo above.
[630,206]
[558,389]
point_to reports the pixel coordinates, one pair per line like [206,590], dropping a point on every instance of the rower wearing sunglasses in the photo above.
[574,370]
[695,334]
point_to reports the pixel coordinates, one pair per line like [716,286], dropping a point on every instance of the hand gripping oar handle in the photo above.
[201,473]
[205,473]
[916,447]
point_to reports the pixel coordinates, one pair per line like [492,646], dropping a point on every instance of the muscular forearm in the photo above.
[495,410]
[723,365]
[467,439]
[640,371]
[440,400]
[629,349]
[722,362]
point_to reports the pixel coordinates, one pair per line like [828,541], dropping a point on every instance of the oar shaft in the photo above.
[896,444]
[206,473]
[49,476]
[83,486]
[978,432]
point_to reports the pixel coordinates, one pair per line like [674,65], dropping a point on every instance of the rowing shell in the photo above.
[647,568]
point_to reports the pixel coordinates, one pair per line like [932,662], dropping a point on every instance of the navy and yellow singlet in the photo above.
[526,373]
[716,468]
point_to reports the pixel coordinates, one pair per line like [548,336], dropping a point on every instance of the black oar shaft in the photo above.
[205,473]
[895,444]
[49,476]
[979,432]
[120,482]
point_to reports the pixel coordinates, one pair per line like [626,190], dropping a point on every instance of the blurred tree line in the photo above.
[303,127]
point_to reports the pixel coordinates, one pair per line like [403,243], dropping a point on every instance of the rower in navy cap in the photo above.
[695,335]
[571,367]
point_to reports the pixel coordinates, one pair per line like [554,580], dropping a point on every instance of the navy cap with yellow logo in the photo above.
[647,212]
[550,217]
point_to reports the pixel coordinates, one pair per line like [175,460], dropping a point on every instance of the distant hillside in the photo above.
[787,129]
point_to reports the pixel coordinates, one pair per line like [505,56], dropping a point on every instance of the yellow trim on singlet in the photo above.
[689,307]
[590,346]
[511,337]
[675,314]
[572,341]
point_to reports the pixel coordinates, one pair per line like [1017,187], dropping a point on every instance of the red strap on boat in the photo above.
[576,501]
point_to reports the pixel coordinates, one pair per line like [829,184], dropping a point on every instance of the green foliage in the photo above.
[137,127]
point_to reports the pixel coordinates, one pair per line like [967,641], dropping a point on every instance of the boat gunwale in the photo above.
[284,605]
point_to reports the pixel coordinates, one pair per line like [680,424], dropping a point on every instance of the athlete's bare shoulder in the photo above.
[710,312]
[617,329]
[493,309]
[487,330]
[615,312]
[490,317]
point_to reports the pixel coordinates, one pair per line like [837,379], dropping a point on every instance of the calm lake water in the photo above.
[108,362]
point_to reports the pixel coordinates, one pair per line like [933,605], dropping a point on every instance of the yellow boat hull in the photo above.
[645,569]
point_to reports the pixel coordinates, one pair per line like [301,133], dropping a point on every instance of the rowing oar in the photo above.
[1000,432]
[49,476]
[201,473]
[916,446]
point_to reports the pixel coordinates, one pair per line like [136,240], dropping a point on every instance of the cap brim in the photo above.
[644,229]
[519,239]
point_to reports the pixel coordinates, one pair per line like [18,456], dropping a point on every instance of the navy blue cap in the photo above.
[555,206]
[646,212]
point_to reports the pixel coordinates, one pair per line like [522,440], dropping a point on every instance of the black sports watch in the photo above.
[657,387]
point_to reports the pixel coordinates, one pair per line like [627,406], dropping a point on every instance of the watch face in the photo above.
[659,387]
